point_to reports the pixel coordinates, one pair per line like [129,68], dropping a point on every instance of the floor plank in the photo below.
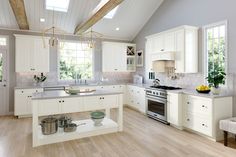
[142,137]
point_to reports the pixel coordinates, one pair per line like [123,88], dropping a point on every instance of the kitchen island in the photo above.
[59,102]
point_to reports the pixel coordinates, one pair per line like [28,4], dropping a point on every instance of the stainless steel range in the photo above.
[156,102]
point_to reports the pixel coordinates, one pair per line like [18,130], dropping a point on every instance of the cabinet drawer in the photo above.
[198,105]
[198,123]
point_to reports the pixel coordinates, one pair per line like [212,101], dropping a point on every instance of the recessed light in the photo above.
[117,28]
[42,19]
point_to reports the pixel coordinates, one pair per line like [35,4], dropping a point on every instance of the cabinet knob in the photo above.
[203,106]
[59,101]
[188,119]
[115,69]
[188,102]
[63,101]
[22,91]
[203,124]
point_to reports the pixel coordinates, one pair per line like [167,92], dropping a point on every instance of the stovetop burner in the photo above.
[166,87]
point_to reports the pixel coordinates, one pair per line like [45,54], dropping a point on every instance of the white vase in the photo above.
[215,91]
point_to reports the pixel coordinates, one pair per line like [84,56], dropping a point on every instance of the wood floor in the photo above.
[142,137]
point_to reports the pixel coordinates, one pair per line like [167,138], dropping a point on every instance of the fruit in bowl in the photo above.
[203,89]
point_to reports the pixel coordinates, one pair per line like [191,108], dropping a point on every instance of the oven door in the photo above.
[157,108]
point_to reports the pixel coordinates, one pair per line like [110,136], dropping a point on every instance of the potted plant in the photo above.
[40,79]
[215,78]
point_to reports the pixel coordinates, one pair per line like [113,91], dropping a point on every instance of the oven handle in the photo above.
[156,99]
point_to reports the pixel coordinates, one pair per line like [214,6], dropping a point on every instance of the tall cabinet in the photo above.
[31,54]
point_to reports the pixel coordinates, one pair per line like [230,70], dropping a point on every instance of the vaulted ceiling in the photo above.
[130,16]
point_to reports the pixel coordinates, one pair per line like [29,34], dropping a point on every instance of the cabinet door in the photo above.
[41,56]
[49,107]
[179,52]
[70,105]
[108,50]
[21,102]
[23,50]
[169,41]
[142,100]
[157,44]
[110,101]
[173,109]
[119,57]
[93,103]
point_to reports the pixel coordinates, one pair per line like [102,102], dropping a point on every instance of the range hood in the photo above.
[163,56]
[162,60]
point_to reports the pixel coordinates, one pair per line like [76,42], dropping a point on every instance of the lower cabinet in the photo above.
[79,104]
[203,114]
[22,101]
[174,109]
[135,98]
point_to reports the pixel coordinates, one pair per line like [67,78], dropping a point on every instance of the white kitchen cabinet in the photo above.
[136,98]
[182,41]
[203,114]
[71,105]
[100,102]
[31,55]
[174,109]
[49,106]
[22,101]
[114,57]
[186,50]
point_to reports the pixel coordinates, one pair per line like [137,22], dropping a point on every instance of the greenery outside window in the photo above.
[215,41]
[75,61]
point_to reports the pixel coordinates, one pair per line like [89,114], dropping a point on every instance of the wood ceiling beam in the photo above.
[18,8]
[111,4]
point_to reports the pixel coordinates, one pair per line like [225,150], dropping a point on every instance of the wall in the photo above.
[173,13]
[22,79]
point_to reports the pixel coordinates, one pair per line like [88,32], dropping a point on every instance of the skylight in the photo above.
[57,5]
[111,14]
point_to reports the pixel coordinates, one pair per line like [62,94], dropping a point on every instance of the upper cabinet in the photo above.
[118,57]
[182,42]
[31,55]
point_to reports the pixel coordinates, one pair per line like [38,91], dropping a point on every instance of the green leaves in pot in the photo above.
[216,77]
[40,78]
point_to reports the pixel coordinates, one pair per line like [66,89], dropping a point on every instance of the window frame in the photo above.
[58,63]
[225,22]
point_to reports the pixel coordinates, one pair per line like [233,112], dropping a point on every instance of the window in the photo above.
[57,5]
[75,62]
[216,47]
[3,41]
[1,67]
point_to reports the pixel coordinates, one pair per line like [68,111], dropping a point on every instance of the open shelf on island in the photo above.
[87,130]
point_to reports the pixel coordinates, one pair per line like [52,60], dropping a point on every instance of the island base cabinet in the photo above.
[45,107]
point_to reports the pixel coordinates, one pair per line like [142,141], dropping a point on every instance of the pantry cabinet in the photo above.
[136,98]
[203,114]
[115,57]
[31,54]
[22,101]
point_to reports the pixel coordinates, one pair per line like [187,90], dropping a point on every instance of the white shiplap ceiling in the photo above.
[130,16]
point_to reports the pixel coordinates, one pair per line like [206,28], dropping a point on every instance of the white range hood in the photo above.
[162,60]
[163,56]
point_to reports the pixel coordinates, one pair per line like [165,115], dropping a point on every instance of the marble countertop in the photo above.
[67,85]
[63,94]
[195,93]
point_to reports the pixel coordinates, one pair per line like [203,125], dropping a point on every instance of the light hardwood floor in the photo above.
[142,137]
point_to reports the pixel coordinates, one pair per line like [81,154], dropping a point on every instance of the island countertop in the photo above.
[63,94]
